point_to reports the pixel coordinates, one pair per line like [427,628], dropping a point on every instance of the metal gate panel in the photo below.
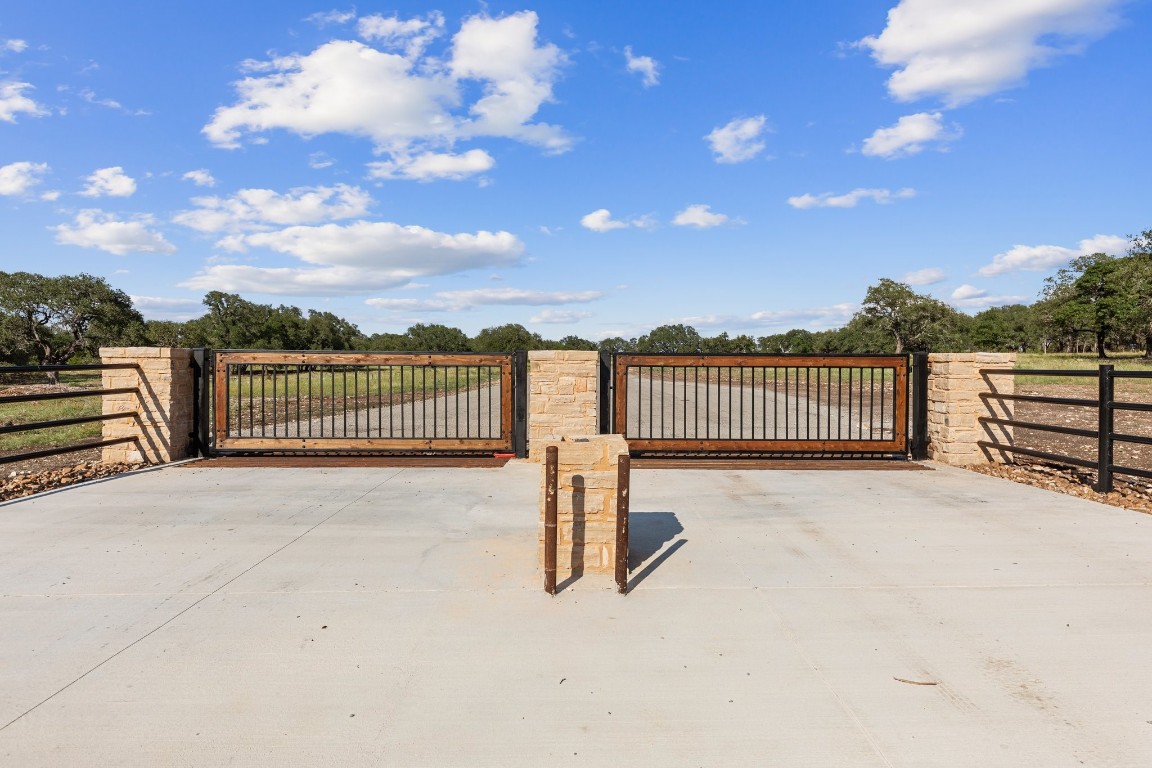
[361,402]
[762,403]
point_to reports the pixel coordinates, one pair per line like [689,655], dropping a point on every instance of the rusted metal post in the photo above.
[551,463]
[623,475]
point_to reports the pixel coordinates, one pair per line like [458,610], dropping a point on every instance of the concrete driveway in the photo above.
[195,616]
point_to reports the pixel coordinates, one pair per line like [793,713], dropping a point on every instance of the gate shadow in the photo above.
[648,532]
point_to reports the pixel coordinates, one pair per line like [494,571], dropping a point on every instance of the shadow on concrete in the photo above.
[648,532]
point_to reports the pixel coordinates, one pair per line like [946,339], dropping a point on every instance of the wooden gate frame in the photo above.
[899,443]
[222,443]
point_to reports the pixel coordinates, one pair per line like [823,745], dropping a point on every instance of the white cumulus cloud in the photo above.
[558,317]
[490,82]
[14,45]
[971,297]
[927,276]
[433,165]
[355,258]
[850,199]
[13,102]
[200,177]
[601,220]
[107,232]
[739,140]
[1040,258]
[408,36]
[645,66]
[961,51]
[822,317]
[109,182]
[251,209]
[18,178]
[700,216]
[454,301]
[910,135]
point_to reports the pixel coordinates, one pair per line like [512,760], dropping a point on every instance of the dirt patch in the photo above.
[1128,494]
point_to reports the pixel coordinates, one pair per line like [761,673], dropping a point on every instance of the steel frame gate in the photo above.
[762,404]
[362,402]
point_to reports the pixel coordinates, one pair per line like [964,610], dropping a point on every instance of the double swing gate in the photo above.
[362,402]
[699,405]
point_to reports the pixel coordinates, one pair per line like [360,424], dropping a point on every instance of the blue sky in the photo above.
[593,168]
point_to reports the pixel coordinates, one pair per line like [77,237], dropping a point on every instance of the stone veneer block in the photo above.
[164,379]
[563,400]
[955,406]
[586,503]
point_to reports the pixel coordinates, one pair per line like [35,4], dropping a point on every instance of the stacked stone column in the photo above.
[163,378]
[585,504]
[955,406]
[562,397]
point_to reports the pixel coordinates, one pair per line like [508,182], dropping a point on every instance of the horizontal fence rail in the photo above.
[361,402]
[1103,409]
[762,403]
[53,449]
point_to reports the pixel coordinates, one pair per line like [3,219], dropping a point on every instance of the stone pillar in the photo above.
[562,397]
[586,503]
[163,377]
[955,407]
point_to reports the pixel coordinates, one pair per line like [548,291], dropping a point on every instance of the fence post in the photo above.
[605,393]
[551,490]
[623,485]
[919,406]
[1106,423]
[520,403]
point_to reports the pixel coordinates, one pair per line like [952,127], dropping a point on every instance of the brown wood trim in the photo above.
[620,407]
[506,415]
[220,402]
[768,446]
[762,361]
[358,444]
[901,415]
[849,465]
[346,461]
[355,358]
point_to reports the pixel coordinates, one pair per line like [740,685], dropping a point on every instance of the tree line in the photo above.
[1095,304]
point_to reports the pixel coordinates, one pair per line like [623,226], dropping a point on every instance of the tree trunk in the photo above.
[1100,352]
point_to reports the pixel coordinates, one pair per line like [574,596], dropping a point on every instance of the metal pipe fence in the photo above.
[1105,436]
[7,427]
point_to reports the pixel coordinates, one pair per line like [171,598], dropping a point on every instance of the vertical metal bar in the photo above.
[662,369]
[520,403]
[776,403]
[604,393]
[1104,445]
[883,380]
[457,398]
[356,397]
[673,402]
[871,403]
[423,400]
[696,401]
[730,419]
[623,483]
[741,384]
[551,464]
[919,406]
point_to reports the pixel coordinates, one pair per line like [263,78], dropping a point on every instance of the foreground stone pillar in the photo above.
[586,503]
[955,407]
[163,430]
[562,397]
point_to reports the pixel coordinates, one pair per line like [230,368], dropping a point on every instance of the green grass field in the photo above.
[1083,362]
[50,410]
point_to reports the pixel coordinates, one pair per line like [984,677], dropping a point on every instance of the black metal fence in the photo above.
[1105,436]
[7,427]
